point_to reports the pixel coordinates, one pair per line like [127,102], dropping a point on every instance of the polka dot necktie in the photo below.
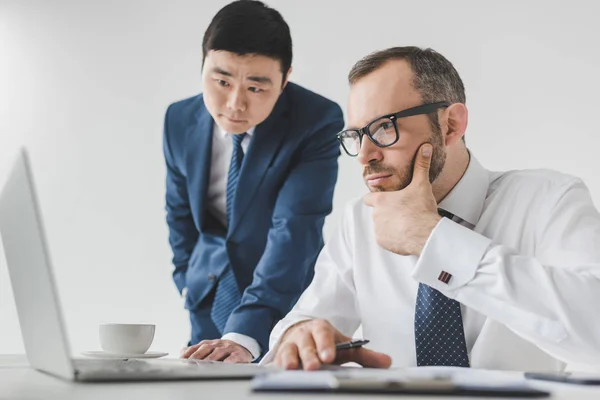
[439,332]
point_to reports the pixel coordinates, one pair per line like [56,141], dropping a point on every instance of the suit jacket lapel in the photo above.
[198,155]
[263,147]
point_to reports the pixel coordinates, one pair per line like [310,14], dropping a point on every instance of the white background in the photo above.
[85,86]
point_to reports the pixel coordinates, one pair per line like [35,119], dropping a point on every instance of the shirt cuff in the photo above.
[246,341]
[450,257]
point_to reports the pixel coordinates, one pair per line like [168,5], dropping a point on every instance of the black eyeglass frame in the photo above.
[409,112]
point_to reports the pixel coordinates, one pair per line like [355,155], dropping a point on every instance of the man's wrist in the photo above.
[248,343]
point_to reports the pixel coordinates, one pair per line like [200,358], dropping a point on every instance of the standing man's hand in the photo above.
[310,344]
[218,350]
[404,218]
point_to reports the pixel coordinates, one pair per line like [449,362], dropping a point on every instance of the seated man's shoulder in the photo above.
[536,181]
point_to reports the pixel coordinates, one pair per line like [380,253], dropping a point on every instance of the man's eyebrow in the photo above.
[260,79]
[254,78]
[221,71]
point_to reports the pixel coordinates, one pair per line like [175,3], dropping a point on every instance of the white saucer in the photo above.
[122,356]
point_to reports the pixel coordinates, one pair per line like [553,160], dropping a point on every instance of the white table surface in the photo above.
[19,381]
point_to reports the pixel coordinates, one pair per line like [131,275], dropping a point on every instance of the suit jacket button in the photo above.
[211,277]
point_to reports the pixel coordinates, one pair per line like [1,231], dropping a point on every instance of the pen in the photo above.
[351,344]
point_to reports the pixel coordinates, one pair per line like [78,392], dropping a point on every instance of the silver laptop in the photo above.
[38,304]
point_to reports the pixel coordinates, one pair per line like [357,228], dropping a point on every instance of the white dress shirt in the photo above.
[524,255]
[222,147]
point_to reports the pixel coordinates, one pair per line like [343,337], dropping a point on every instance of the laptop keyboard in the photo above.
[118,366]
[152,367]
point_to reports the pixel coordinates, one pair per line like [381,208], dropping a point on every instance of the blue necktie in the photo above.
[227,295]
[439,332]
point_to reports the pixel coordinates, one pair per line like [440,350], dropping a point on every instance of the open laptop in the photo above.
[38,304]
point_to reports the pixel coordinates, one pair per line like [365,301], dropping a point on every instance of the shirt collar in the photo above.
[224,134]
[467,198]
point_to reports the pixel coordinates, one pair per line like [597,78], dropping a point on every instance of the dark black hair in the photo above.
[250,27]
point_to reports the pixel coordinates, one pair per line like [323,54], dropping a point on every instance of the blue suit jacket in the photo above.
[285,191]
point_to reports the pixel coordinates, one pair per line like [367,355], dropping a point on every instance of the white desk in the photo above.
[19,381]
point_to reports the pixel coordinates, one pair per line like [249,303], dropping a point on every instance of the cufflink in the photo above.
[444,277]
[444,213]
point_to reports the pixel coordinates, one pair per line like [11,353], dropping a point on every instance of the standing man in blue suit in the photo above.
[251,169]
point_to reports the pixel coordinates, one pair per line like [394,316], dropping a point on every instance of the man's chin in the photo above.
[389,187]
[380,188]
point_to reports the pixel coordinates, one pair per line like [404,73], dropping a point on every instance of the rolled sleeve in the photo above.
[454,249]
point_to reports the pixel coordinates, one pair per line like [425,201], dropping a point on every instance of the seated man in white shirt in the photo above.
[445,262]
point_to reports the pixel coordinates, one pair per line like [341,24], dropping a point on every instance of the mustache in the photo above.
[377,168]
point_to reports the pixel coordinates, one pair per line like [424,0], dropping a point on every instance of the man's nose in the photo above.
[236,100]
[368,152]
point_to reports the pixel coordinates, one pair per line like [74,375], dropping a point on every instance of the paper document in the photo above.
[430,377]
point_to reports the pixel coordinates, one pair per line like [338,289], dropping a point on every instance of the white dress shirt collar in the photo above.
[467,198]
[223,133]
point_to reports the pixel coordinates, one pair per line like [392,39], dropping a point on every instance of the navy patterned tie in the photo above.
[227,295]
[439,332]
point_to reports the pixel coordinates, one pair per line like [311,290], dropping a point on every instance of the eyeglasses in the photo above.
[382,131]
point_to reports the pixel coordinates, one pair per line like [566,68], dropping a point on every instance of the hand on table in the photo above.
[218,350]
[310,344]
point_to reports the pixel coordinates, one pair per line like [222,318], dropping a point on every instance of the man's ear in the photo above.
[456,118]
[286,78]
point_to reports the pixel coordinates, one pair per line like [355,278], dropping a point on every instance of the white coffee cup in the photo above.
[126,338]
